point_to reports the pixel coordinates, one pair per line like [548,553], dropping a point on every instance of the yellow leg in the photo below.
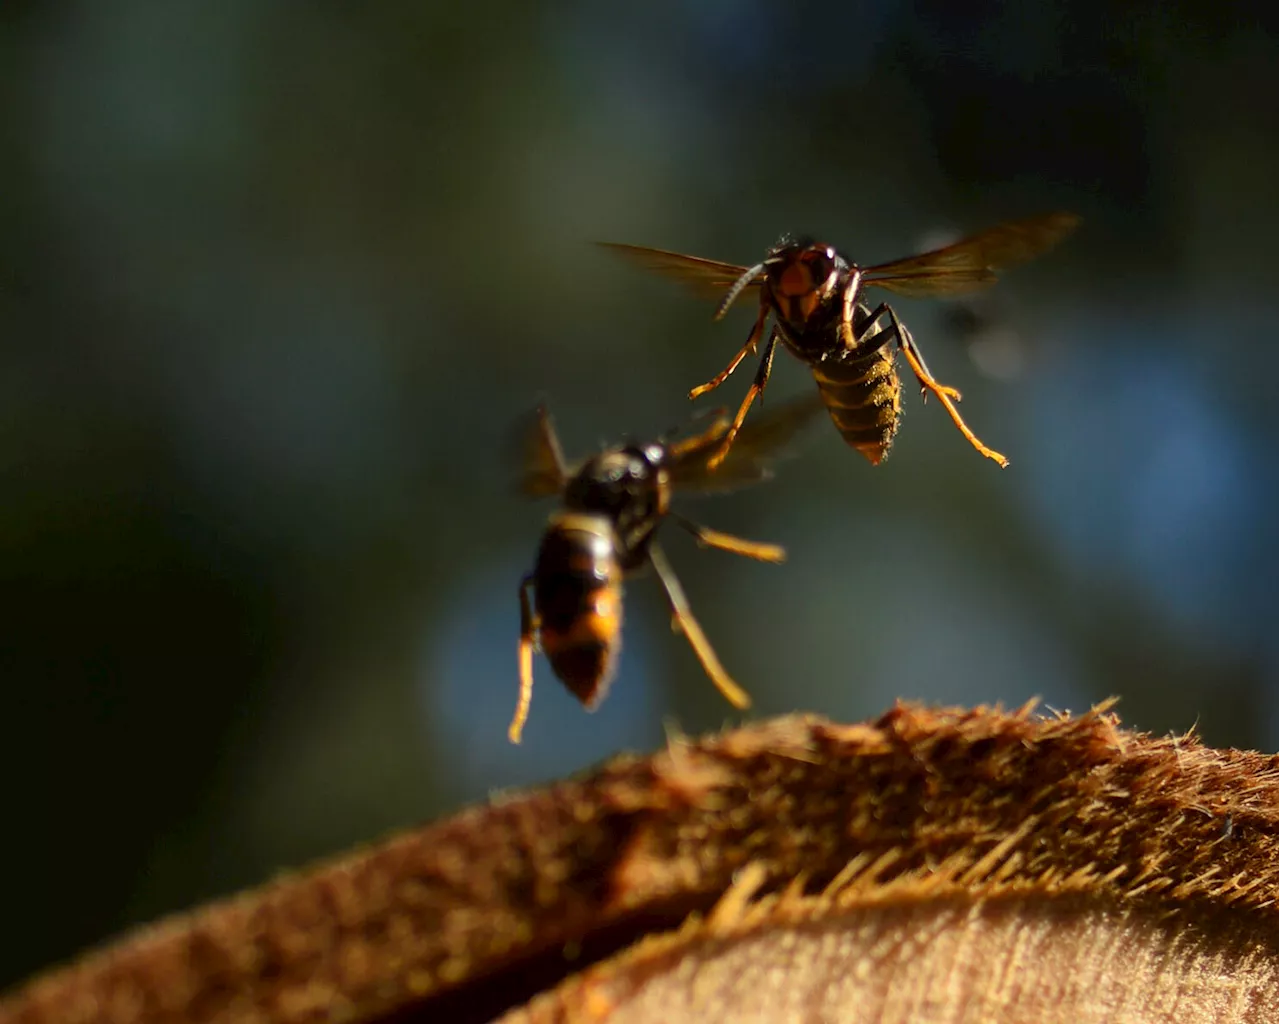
[734,427]
[734,545]
[525,659]
[713,433]
[946,395]
[849,298]
[683,618]
[753,339]
[753,392]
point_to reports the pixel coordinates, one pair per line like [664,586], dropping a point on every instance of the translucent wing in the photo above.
[971,263]
[542,470]
[763,440]
[709,278]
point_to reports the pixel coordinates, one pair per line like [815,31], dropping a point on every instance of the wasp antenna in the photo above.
[747,277]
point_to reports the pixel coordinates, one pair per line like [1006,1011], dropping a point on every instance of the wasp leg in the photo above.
[712,434]
[525,659]
[753,339]
[850,297]
[903,336]
[710,538]
[944,394]
[682,617]
[753,392]
[895,331]
[869,342]
[719,417]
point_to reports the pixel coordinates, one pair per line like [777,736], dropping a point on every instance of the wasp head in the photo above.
[625,484]
[802,276]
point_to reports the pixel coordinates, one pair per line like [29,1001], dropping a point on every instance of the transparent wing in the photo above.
[766,438]
[708,278]
[542,470]
[971,263]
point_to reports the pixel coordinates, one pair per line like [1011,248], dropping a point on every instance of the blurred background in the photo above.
[276,280]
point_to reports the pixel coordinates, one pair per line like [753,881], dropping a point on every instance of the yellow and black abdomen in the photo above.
[863,394]
[577,598]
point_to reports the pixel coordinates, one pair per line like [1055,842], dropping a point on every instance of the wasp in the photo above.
[611,506]
[814,293]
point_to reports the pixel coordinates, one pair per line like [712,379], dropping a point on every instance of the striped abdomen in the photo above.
[864,397]
[577,597]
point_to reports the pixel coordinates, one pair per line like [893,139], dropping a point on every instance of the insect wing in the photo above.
[764,440]
[542,469]
[971,263]
[709,278]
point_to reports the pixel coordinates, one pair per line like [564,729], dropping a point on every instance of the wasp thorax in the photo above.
[616,483]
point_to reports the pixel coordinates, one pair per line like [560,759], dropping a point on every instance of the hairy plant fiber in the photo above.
[932,865]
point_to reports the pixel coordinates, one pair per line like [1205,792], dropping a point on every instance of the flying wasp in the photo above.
[814,295]
[611,507]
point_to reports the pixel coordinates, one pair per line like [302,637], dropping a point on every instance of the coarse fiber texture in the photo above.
[933,865]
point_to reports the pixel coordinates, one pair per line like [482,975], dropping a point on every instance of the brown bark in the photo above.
[939,865]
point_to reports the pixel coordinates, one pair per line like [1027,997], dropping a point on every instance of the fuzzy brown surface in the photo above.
[1159,825]
[1012,954]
